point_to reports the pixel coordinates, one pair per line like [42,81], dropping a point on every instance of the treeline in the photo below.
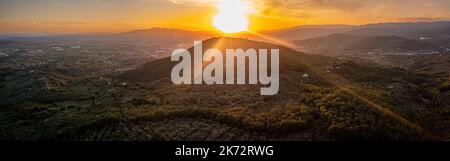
[288,118]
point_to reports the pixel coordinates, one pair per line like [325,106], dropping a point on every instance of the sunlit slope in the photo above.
[162,68]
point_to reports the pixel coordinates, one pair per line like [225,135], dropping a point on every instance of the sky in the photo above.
[84,16]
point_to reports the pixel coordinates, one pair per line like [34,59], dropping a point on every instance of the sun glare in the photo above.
[232,16]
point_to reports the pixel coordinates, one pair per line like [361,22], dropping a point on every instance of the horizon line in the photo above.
[24,33]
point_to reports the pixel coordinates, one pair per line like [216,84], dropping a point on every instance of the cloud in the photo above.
[417,19]
[352,10]
[347,5]
[194,2]
[305,9]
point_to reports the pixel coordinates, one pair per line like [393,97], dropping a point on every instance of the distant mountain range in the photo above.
[412,30]
[397,38]
[152,34]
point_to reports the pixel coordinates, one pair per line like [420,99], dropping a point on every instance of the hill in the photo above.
[308,31]
[393,44]
[162,68]
[320,98]
[331,44]
[338,44]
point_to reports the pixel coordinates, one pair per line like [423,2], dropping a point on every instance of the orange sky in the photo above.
[75,16]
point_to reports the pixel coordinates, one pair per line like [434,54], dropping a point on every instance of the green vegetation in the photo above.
[337,100]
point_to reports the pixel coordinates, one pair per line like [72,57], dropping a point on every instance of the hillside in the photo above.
[390,44]
[338,44]
[412,30]
[336,100]
[308,31]
[330,44]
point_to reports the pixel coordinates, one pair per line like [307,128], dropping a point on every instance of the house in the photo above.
[305,75]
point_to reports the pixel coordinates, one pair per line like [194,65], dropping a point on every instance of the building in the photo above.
[305,75]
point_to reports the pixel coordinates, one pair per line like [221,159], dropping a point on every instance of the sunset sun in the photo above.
[231,16]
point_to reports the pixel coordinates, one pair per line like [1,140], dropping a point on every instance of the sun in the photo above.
[232,16]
